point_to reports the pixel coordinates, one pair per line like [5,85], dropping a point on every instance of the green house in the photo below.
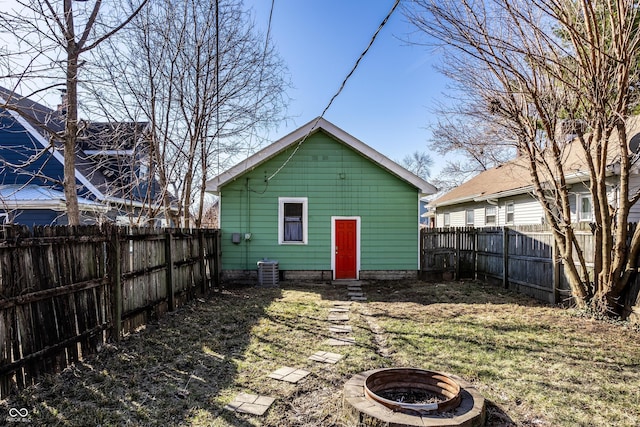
[322,204]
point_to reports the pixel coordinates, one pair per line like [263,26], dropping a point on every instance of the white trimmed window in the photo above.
[585,210]
[292,220]
[446,220]
[469,215]
[509,213]
[490,215]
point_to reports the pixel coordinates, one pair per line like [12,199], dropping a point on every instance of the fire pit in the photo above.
[412,397]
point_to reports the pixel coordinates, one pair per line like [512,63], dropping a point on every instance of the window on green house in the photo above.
[292,220]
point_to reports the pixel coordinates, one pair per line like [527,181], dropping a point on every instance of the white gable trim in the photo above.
[58,156]
[214,184]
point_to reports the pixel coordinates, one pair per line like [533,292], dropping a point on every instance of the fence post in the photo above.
[555,271]
[169,277]
[475,253]
[114,255]
[421,252]
[217,259]
[505,257]
[203,269]
[457,257]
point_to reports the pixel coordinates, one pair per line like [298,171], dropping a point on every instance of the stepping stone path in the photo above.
[257,405]
[250,404]
[338,317]
[340,341]
[340,329]
[290,375]
[326,357]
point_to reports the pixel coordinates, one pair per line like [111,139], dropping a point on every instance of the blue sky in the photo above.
[387,103]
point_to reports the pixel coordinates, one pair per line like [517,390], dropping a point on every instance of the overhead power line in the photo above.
[344,82]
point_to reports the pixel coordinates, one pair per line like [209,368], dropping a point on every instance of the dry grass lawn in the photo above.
[536,365]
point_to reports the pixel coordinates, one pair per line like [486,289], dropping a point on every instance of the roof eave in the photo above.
[55,205]
[463,199]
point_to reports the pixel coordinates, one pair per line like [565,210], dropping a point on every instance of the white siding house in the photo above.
[516,210]
[503,195]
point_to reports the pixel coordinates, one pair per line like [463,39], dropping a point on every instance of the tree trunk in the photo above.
[71,121]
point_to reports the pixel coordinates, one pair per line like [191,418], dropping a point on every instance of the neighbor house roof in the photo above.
[95,141]
[514,177]
[507,179]
[302,133]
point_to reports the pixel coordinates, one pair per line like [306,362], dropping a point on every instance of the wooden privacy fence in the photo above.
[64,291]
[523,258]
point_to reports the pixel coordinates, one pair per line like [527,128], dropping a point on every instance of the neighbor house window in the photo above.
[585,210]
[490,215]
[469,216]
[292,220]
[446,220]
[510,210]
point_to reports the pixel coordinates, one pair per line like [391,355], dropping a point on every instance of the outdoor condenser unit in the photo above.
[268,273]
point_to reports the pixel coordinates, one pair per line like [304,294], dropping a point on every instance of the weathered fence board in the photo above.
[66,290]
[523,258]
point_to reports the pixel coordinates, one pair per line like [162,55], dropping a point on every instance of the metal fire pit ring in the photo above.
[407,379]
[360,409]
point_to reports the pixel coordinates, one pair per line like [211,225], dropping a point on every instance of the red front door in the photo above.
[346,250]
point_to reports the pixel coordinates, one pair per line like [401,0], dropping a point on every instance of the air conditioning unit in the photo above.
[268,274]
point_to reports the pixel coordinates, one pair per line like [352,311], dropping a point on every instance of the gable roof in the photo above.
[295,137]
[514,177]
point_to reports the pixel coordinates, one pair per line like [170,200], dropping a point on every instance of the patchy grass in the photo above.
[535,364]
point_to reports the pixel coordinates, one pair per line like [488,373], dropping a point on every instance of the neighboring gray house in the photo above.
[504,195]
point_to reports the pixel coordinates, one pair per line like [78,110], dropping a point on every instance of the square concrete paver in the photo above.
[340,341]
[355,294]
[361,298]
[354,289]
[339,310]
[338,317]
[326,357]
[341,303]
[340,329]
[250,404]
[290,375]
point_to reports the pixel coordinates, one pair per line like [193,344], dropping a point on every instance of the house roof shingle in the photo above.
[514,177]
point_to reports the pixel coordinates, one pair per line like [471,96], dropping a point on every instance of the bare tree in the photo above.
[47,41]
[543,70]
[419,163]
[472,145]
[206,82]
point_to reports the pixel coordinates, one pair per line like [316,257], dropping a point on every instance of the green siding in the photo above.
[387,205]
